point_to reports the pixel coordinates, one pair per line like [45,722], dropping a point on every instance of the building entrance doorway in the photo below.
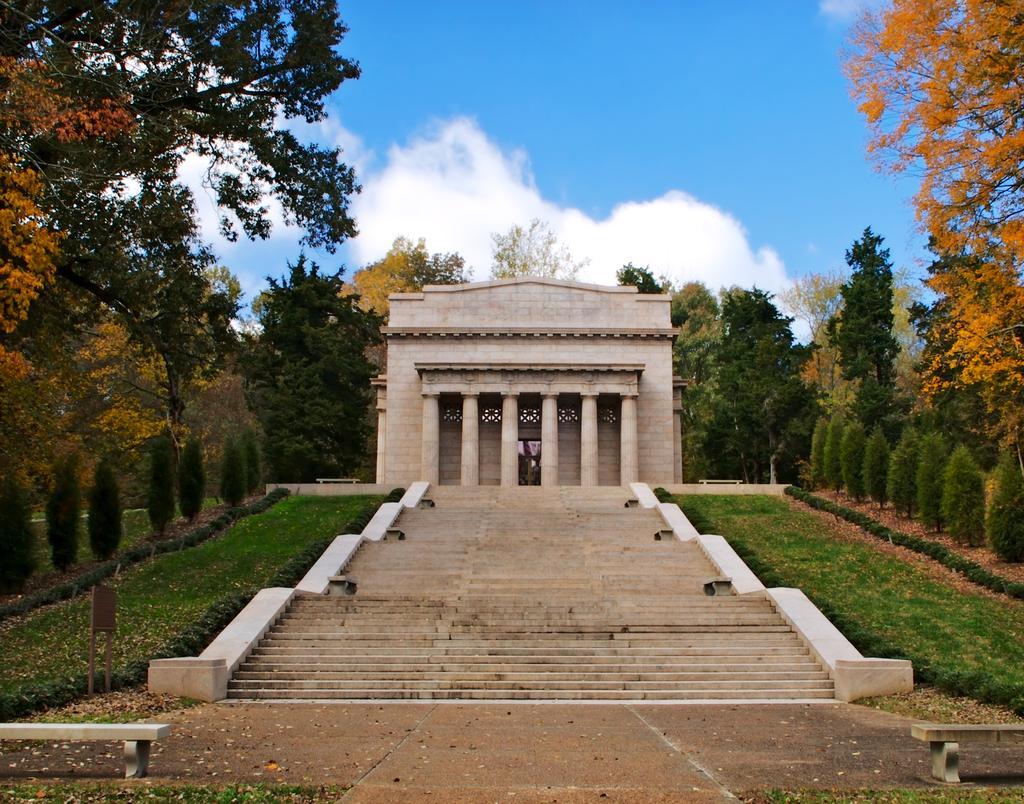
[529,462]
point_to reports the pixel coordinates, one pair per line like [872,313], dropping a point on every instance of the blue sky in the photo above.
[712,141]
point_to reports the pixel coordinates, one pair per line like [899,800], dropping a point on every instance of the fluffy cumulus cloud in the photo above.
[454,187]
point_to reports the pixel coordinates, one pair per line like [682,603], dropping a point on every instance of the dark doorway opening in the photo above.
[529,462]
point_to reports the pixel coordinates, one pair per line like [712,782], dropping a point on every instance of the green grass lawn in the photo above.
[963,641]
[159,597]
[1007,795]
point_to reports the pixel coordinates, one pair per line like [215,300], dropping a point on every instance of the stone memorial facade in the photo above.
[529,382]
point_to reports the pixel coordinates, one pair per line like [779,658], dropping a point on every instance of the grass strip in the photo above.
[962,642]
[173,605]
[1005,795]
[971,570]
[133,555]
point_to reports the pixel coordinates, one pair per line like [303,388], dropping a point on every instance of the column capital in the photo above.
[630,395]
[549,395]
[589,394]
[472,392]
[510,394]
[428,394]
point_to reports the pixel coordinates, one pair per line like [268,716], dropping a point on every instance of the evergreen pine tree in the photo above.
[831,454]
[818,440]
[1005,523]
[62,513]
[963,498]
[876,466]
[931,461]
[104,525]
[17,559]
[160,496]
[253,464]
[851,457]
[232,472]
[191,479]
[901,485]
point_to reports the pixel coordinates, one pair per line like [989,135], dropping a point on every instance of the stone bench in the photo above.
[945,742]
[713,587]
[352,480]
[664,533]
[341,585]
[136,736]
[713,482]
[395,533]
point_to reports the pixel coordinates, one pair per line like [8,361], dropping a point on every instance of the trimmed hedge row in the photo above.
[971,570]
[663,495]
[191,640]
[970,684]
[133,555]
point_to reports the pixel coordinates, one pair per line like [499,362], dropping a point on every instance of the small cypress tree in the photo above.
[963,498]
[105,527]
[1005,523]
[253,464]
[818,452]
[876,466]
[160,497]
[191,479]
[851,457]
[901,484]
[831,453]
[62,513]
[232,472]
[931,461]
[17,559]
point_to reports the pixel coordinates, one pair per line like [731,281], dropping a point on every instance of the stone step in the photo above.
[451,683]
[447,675]
[342,665]
[526,653]
[554,625]
[698,694]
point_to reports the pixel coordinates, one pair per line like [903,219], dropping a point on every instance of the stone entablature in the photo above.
[576,378]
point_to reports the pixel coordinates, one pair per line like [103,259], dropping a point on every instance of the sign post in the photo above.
[104,608]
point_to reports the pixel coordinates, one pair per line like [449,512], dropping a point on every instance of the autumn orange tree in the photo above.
[941,83]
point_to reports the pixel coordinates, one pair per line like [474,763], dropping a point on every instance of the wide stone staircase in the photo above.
[530,594]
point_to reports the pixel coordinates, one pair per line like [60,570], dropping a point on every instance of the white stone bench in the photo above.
[712,482]
[945,740]
[136,736]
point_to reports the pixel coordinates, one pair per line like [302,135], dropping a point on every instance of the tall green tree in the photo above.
[1004,522]
[640,278]
[63,513]
[876,467]
[191,479]
[17,558]
[851,456]
[863,331]
[308,377]
[160,491]
[253,461]
[105,525]
[764,410]
[963,498]
[901,484]
[931,463]
[232,472]
[818,440]
[833,452]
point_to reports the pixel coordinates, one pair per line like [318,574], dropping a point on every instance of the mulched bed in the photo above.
[888,517]
[180,526]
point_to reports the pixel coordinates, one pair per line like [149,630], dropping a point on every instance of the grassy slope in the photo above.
[159,597]
[930,622]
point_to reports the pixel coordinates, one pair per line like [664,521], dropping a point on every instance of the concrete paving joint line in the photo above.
[409,733]
[697,766]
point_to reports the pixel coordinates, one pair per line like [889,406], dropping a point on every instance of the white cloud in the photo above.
[453,186]
[847,10]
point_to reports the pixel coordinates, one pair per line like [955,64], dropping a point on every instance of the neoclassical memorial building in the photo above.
[529,382]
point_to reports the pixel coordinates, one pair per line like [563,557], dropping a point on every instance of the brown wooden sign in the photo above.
[104,620]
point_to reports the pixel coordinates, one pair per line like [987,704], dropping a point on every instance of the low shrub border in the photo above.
[191,640]
[971,570]
[140,552]
[965,683]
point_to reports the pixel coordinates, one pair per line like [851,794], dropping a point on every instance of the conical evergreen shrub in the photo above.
[818,453]
[233,476]
[963,498]
[160,497]
[63,509]
[931,462]
[17,558]
[253,461]
[851,457]
[191,479]
[104,525]
[831,453]
[901,484]
[1004,525]
[876,467]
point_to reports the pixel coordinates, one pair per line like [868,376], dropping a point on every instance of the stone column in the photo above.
[588,441]
[430,450]
[510,439]
[629,459]
[549,441]
[382,443]
[470,440]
